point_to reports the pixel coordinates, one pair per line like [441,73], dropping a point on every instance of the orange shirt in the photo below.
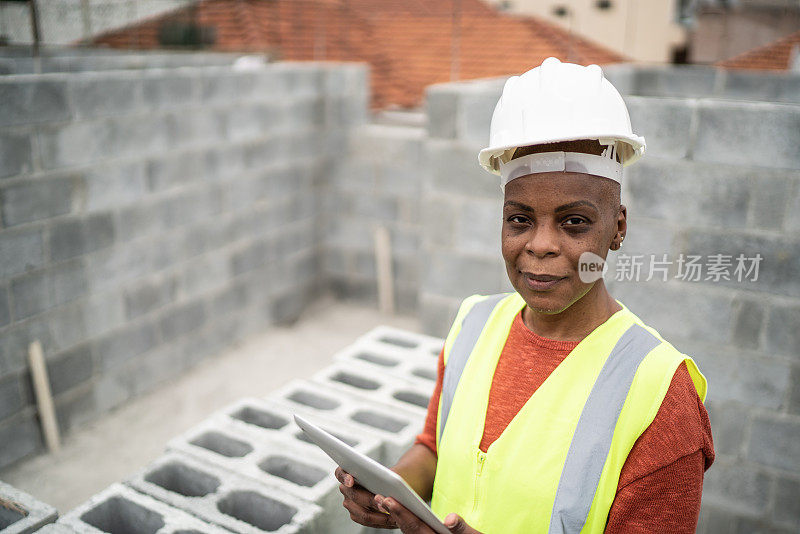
[662,479]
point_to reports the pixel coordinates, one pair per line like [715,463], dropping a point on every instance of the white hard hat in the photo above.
[560,102]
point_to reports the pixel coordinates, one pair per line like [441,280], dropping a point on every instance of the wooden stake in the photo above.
[44,399]
[383,263]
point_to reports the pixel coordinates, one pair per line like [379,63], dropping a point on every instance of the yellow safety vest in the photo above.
[556,467]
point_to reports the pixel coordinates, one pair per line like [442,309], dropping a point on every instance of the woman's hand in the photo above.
[361,503]
[411,524]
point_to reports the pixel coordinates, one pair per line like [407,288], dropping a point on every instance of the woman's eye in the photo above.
[572,221]
[517,219]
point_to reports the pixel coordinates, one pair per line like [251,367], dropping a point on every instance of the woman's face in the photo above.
[549,220]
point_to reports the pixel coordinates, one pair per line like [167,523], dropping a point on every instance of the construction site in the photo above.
[217,214]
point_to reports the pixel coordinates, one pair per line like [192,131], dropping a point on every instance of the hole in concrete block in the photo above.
[436,351]
[428,374]
[292,470]
[356,381]
[222,444]
[306,398]
[260,418]
[180,478]
[350,441]
[399,341]
[378,420]
[118,515]
[377,359]
[9,516]
[412,397]
[257,510]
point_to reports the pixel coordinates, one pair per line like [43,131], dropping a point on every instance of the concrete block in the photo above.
[266,419]
[775,442]
[729,422]
[182,319]
[277,460]
[455,170]
[688,81]
[475,109]
[783,330]
[680,311]
[15,154]
[69,369]
[396,425]
[121,509]
[55,528]
[76,143]
[226,499]
[113,185]
[689,193]
[748,133]
[57,285]
[478,227]
[228,87]
[441,110]
[11,400]
[741,486]
[749,85]
[26,101]
[389,361]
[169,89]
[748,318]
[23,513]
[101,94]
[123,344]
[787,506]
[20,437]
[665,124]
[149,295]
[778,269]
[5,308]
[456,275]
[40,199]
[351,377]
[78,236]
[174,170]
[789,89]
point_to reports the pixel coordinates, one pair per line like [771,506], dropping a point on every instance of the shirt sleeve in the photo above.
[428,435]
[661,482]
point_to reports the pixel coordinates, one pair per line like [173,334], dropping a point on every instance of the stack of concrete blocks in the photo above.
[721,176]
[151,218]
[248,468]
[21,513]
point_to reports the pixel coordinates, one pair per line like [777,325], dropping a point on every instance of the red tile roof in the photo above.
[408,43]
[774,56]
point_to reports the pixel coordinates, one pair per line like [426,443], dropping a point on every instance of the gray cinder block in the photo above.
[279,461]
[351,377]
[392,361]
[397,338]
[22,513]
[24,100]
[121,509]
[395,424]
[265,419]
[15,154]
[226,499]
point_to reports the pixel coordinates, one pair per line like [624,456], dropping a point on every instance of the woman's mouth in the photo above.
[541,282]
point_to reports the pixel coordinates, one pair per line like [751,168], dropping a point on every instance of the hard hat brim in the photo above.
[487,156]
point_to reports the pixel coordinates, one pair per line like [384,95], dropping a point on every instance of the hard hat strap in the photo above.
[561,161]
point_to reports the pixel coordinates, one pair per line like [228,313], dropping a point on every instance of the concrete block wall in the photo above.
[722,176]
[377,183]
[151,218]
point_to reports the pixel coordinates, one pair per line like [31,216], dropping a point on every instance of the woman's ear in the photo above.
[622,228]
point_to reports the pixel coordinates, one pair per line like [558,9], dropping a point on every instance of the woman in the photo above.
[563,411]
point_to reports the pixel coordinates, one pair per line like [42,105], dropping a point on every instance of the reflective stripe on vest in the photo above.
[592,439]
[471,329]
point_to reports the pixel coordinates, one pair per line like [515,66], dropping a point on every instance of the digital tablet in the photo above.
[372,475]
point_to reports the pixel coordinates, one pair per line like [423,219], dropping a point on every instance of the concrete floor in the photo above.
[124,441]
